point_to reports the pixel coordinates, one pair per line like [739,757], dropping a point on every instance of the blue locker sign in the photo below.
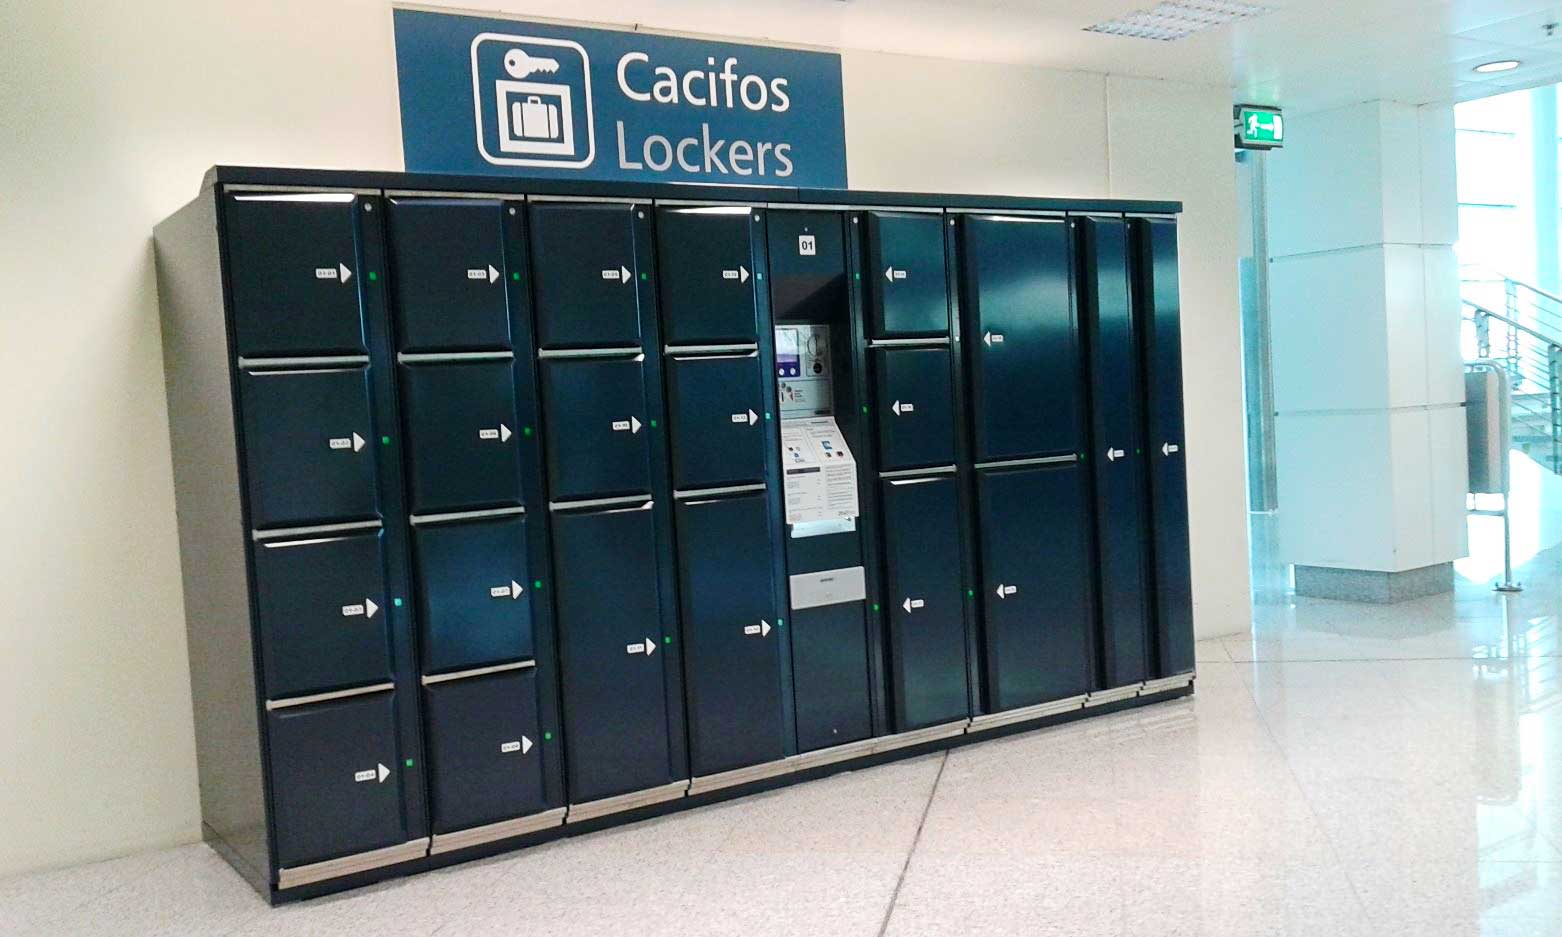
[506,97]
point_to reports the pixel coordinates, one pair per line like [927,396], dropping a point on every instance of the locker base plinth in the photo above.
[1113,695]
[489,832]
[633,800]
[348,865]
[1027,713]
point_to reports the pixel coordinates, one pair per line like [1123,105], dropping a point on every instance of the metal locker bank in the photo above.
[511,509]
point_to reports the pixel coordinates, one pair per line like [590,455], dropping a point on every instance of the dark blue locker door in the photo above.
[335,779]
[322,613]
[474,602]
[915,416]
[595,417]
[447,260]
[924,600]
[732,654]
[1024,359]
[294,273]
[1162,341]
[308,446]
[908,285]
[706,264]
[610,652]
[484,751]
[463,442]
[583,275]
[1036,590]
[1121,532]
[716,409]
[830,675]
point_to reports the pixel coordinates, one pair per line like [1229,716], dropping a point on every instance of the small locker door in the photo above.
[610,651]
[461,424]
[583,274]
[335,779]
[448,258]
[928,682]
[830,675]
[716,409]
[307,446]
[915,419]
[595,416]
[908,285]
[484,760]
[1116,434]
[732,659]
[322,617]
[1024,360]
[706,261]
[294,274]
[474,604]
[1036,589]
[1160,316]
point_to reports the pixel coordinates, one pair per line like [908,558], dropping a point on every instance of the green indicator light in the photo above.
[409,762]
[373,276]
[767,414]
[384,440]
[667,640]
[780,622]
[526,431]
[653,423]
[875,606]
[547,736]
[759,276]
[969,593]
[515,275]
[856,276]
[645,276]
[864,409]
[536,583]
[396,602]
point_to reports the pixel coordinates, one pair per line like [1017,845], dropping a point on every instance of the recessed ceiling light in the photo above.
[1177,19]
[1505,65]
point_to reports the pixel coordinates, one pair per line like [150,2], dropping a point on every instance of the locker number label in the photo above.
[894,273]
[911,604]
[522,745]
[805,245]
[992,338]
[353,442]
[748,417]
[631,425]
[378,773]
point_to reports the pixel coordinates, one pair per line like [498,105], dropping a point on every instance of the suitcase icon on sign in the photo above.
[534,119]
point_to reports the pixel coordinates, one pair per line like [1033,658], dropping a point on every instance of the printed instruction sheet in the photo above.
[820,471]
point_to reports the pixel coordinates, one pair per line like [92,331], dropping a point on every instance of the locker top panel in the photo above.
[449,279]
[908,285]
[294,273]
[706,264]
[584,271]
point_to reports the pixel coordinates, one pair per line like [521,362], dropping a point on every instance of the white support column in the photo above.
[1369,389]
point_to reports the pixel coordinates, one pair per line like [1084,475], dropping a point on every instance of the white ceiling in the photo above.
[1306,55]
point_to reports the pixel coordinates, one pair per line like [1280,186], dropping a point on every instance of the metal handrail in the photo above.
[1512,323]
[1530,358]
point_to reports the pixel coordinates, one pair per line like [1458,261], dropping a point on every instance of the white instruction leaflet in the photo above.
[821,474]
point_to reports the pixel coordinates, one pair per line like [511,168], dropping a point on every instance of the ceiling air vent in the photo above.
[1177,19]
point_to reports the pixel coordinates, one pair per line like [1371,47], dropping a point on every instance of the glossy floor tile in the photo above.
[1342,770]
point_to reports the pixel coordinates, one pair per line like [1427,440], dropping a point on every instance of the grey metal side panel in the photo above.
[1486,419]
[211,537]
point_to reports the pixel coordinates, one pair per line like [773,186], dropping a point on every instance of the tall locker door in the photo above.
[1117,450]
[1020,337]
[610,644]
[928,682]
[1160,310]
[731,632]
[1035,575]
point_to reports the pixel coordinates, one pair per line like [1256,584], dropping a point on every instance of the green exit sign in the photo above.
[1258,127]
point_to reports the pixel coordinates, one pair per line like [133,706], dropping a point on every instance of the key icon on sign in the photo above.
[519,64]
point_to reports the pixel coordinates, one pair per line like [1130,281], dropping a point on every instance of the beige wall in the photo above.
[111,114]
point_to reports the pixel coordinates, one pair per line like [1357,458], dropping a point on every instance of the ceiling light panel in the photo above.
[1177,19]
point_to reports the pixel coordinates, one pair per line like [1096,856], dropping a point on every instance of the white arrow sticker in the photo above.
[526,744]
[378,772]
[992,338]
[346,274]
[646,647]
[1112,455]
[1004,591]
[911,603]
[900,408]
[500,432]
[353,442]
[748,417]
[522,745]
[367,609]
[740,274]
[1167,448]
[384,773]
[891,274]
[631,425]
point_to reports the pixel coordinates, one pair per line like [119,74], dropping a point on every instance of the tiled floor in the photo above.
[1346,770]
